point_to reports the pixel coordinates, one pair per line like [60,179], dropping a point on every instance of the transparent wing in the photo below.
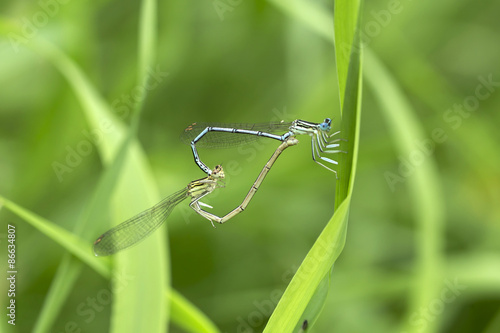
[138,227]
[227,140]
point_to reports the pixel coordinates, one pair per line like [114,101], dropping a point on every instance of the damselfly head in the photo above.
[326,125]
[218,172]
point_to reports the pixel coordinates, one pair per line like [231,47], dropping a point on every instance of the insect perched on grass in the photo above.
[216,135]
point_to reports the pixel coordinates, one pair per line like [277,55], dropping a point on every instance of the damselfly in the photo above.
[143,224]
[214,137]
[290,141]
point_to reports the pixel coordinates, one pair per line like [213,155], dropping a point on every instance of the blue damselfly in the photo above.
[216,136]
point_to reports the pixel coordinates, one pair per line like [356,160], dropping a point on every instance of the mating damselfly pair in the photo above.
[212,135]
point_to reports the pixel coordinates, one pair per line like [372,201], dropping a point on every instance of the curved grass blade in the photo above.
[188,317]
[346,22]
[134,300]
[66,239]
[62,284]
[310,13]
[424,188]
[315,306]
[406,125]
[147,39]
[91,103]
[97,110]
[70,267]
[126,316]
[184,314]
[316,267]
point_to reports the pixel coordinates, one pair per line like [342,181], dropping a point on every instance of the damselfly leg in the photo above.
[320,144]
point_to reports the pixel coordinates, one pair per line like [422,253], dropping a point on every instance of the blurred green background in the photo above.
[253,62]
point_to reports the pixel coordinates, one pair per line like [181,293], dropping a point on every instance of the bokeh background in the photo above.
[249,61]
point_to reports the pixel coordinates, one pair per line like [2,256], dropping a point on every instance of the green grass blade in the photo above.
[315,305]
[138,310]
[479,145]
[69,241]
[184,314]
[478,271]
[189,318]
[147,38]
[423,183]
[66,275]
[136,179]
[429,215]
[146,56]
[349,128]
[345,22]
[97,111]
[70,267]
[310,14]
[316,265]
[295,303]
[135,191]
[145,262]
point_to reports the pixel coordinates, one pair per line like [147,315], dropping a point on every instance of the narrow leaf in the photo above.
[183,313]
[423,184]
[316,267]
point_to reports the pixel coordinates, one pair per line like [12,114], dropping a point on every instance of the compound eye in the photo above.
[325,125]
[218,172]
